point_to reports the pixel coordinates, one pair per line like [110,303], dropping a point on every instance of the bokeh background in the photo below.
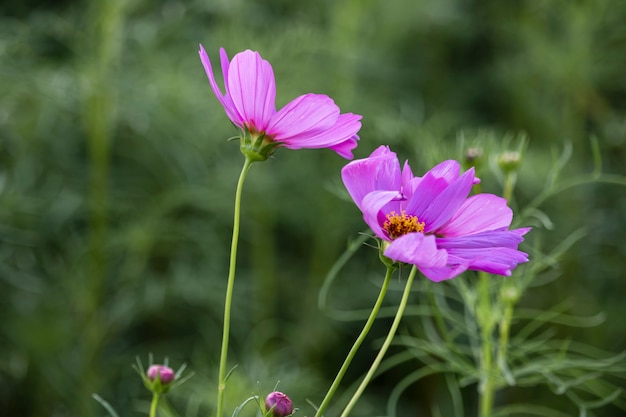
[117,183]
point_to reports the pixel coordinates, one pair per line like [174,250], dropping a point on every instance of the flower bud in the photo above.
[160,372]
[509,161]
[473,158]
[278,405]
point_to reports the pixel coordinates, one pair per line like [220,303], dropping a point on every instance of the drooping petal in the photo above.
[375,206]
[435,205]
[479,213]
[422,251]
[500,261]
[493,251]
[252,88]
[303,117]
[345,128]
[482,240]
[442,273]
[223,98]
[381,171]
[344,149]
[417,249]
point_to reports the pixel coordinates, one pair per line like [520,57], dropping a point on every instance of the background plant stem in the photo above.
[102,51]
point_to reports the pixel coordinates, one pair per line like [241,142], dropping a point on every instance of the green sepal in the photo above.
[257,148]
[389,263]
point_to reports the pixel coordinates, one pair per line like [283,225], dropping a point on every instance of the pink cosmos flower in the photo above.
[430,221]
[308,121]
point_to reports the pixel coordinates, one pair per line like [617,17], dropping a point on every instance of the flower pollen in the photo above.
[397,225]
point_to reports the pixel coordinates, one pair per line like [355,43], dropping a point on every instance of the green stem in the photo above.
[486,322]
[384,347]
[229,289]
[441,325]
[357,344]
[505,299]
[509,185]
[154,405]
[504,330]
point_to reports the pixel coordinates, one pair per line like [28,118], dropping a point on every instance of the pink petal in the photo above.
[303,117]
[422,251]
[417,249]
[252,88]
[483,240]
[479,213]
[345,128]
[435,203]
[380,171]
[446,170]
[344,149]
[438,274]
[499,261]
[428,187]
[224,99]
[493,251]
[408,181]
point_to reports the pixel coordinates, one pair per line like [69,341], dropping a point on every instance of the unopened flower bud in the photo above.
[509,294]
[162,373]
[278,405]
[473,157]
[509,161]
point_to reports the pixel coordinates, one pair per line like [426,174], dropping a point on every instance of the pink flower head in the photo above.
[278,404]
[308,121]
[163,373]
[430,221]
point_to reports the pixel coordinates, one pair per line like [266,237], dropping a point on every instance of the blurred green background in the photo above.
[117,182]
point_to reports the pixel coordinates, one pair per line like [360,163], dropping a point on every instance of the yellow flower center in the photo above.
[397,225]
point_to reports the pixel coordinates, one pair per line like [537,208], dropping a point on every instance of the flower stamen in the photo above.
[397,225]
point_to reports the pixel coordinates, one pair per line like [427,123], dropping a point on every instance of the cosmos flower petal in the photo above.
[344,149]
[489,239]
[447,170]
[481,212]
[252,88]
[444,203]
[521,231]
[500,261]
[341,137]
[428,187]
[417,249]
[442,273]
[493,251]
[303,117]
[223,98]
[373,204]
[409,182]
[381,171]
